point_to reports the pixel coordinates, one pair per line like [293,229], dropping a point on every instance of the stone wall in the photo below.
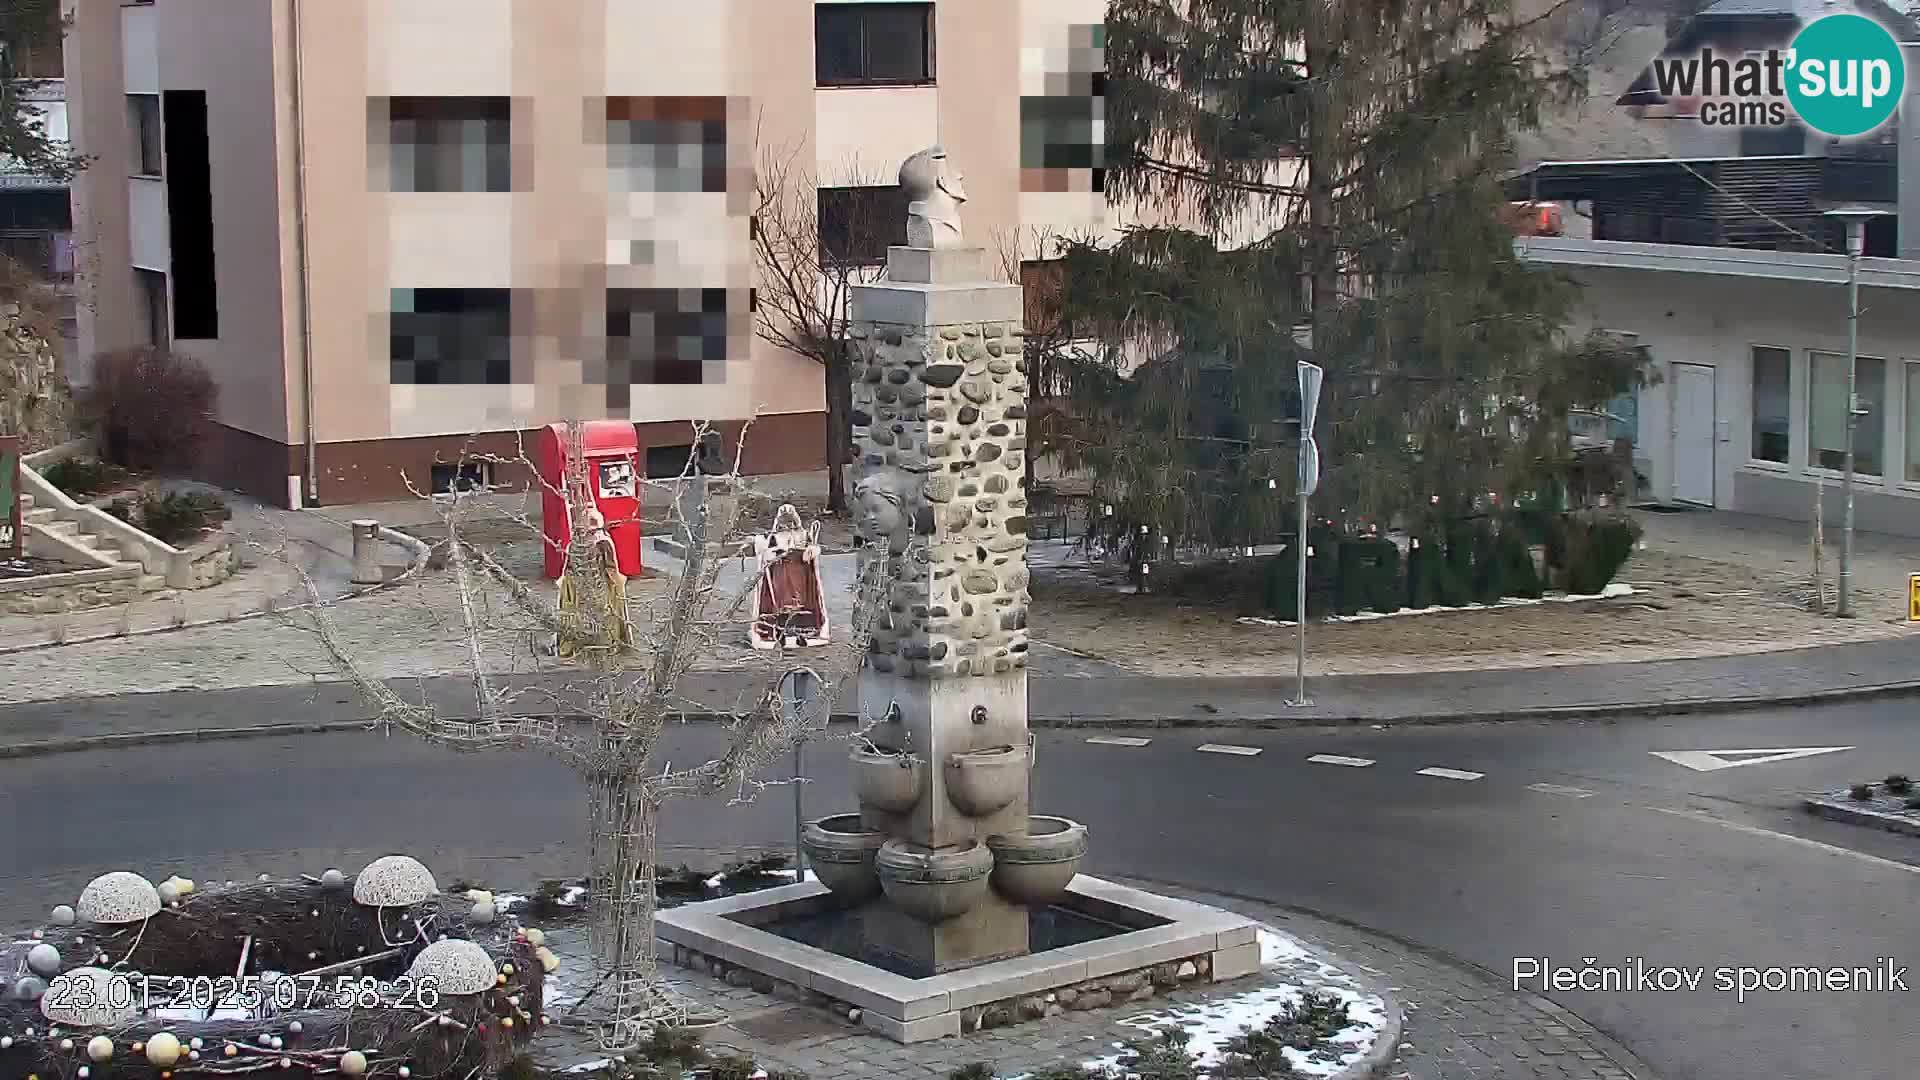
[66,592]
[33,392]
[939,434]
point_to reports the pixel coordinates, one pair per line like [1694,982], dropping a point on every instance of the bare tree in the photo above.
[634,667]
[806,266]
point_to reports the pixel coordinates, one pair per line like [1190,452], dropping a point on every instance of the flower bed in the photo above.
[379,974]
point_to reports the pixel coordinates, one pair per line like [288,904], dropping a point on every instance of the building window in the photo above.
[667,144]
[152,287]
[873,44]
[1913,423]
[1772,413]
[858,224]
[667,337]
[143,122]
[195,278]
[1827,413]
[440,144]
[452,337]
[1062,132]
[1789,140]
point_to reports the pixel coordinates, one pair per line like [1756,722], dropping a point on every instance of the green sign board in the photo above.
[10,538]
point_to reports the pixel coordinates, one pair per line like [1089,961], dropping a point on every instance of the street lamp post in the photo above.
[1855,220]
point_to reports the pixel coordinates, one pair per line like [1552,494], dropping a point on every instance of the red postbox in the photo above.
[612,450]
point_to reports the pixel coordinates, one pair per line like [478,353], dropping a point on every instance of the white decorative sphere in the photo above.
[535,936]
[196,1043]
[169,892]
[63,915]
[44,960]
[481,915]
[6,1042]
[394,881]
[84,1072]
[454,967]
[66,1044]
[186,886]
[549,962]
[353,1063]
[163,1050]
[119,897]
[333,879]
[100,1048]
[266,1039]
[278,1044]
[405,1072]
[65,1008]
[294,1027]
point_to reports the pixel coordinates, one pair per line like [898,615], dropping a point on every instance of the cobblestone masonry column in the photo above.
[939,433]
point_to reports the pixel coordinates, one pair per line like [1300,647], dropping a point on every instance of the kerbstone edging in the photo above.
[1845,809]
[416,550]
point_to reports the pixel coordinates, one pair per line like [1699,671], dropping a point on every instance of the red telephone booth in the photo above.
[613,472]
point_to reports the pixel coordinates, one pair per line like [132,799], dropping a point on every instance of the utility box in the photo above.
[612,450]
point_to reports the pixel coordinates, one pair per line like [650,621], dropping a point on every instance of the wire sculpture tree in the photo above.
[633,669]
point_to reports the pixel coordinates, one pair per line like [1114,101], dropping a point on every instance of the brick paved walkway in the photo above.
[1460,1023]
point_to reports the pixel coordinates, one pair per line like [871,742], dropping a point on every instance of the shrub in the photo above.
[1598,545]
[84,477]
[180,516]
[1369,576]
[152,408]
[1860,792]
[1898,784]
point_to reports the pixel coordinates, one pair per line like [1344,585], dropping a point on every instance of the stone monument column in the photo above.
[939,436]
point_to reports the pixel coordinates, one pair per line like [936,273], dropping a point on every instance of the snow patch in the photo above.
[590,1066]
[507,903]
[1210,1025]
[1611,592]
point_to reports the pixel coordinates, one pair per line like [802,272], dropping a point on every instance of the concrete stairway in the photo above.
[82,547]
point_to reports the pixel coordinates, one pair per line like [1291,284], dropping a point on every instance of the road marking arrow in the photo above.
[1714,760]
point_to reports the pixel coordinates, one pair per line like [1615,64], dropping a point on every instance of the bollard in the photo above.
[366,553]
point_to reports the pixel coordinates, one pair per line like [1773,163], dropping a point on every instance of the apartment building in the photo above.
[397,230]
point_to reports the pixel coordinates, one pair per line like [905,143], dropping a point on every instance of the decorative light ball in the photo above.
[481,914]
[66,1044]
[38,934]
[196,1043]
[63,915]
[169,892]
[353,1063]
[548,961]
[405,1072]
[315,913]
[286,1063]
[313,955]
[394,881]
[295,1027]
[265,1039]
[193,1055]
[544,1019]
[84,1072]
[263,878]
[28,1032]
[453,967]
[186,886]
[500,979]
[100,1048]
[44,960]
[480,896]
[333,879]
[119,898]
[506,1021]
[231,1050]
[6,1042]
[535,936]
[163,1049]
[138,1047]
[91,1003]
[278,1044]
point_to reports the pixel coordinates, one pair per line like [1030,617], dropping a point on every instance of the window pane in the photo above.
[1913,422]
[836,44]
[1827,413]
[143,117]
[1772,389]
[896,45]
[438,144]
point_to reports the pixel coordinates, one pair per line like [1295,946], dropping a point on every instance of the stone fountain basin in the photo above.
[841,850]
[934,886]
[1035,869]
[889,780]
[983,782]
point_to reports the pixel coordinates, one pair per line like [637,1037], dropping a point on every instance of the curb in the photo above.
[1059,723]
[417,550]
[1839,809]
[1379,1058]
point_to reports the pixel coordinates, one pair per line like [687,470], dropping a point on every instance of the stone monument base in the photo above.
[1151,936]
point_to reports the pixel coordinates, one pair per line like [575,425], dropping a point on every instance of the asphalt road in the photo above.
[1622,854]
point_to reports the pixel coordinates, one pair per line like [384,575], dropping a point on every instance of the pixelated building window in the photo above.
[857,224]
[438,144]
[867,44]
[1060,133]
[664,337]
[452,337]
[668,143]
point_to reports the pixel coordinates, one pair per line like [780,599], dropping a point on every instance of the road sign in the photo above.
[1715,760]
[1311,376]
[1913,597]
[1309,467]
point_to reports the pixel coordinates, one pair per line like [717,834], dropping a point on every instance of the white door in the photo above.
[1693,434]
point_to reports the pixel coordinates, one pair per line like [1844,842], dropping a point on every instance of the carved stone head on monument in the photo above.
[890,499]
[934,192]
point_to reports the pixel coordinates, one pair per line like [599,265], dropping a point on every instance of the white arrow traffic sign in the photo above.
[1713,760]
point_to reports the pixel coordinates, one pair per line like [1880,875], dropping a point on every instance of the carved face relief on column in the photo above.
[889,499]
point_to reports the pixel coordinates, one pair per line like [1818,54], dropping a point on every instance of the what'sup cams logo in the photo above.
[1842,75]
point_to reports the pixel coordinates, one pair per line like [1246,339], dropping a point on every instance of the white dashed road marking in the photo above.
[1118,740]
[1815,845]
[1239,751]
[1556,789]
[1451,774]
[1336,759]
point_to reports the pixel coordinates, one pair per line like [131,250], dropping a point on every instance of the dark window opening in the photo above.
[1058,133]
[858,224]
[668,143]
[667,462]
[1788,140]
[196,307]
[665,337]
[443,144]
[450,478]
[442,337]
[873,44]
[152,286]
[143,123]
